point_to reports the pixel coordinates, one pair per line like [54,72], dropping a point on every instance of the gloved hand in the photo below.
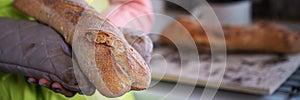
[35,50]
[139,41]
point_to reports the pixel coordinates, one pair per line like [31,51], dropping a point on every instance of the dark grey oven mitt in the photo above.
[36,50]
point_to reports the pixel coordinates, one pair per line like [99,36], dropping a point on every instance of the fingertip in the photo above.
[81,93]
[31,80]
[59,88]
[44,82]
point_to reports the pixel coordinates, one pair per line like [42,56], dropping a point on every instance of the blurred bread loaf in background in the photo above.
[261,36]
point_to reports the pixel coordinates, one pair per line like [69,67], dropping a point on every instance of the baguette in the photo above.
[262,36]
[100,49]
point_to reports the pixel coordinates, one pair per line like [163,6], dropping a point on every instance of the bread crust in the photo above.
[101,51]
[262,36]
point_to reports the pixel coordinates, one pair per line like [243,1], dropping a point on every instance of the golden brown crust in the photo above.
[115,79]
[263,36]
[102,52]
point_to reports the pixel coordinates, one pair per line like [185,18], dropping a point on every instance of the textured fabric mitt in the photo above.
[36,50]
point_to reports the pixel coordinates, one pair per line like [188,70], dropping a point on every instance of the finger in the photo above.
[44,82]
[59,88]
[31,80]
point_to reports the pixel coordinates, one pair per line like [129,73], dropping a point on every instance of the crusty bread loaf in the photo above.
[262,36]
[101,51]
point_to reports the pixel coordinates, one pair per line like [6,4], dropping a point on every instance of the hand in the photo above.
[37,51]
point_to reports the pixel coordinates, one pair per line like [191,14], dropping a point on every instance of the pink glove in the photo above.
[136,14]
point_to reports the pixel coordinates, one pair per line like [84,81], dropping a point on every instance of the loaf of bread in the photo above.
[101,51]
[262,36]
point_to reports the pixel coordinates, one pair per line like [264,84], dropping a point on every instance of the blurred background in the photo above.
[234,13]
[286,10]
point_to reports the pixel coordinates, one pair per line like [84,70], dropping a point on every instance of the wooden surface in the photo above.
[249,73]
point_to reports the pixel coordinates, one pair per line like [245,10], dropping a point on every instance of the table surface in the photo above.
[177,91]
[162,90]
